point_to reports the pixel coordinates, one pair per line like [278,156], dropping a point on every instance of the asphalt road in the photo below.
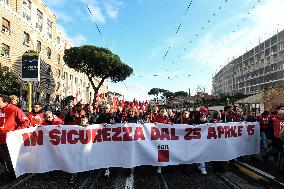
[181,177]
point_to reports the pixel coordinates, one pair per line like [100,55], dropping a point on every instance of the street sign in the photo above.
[30,66]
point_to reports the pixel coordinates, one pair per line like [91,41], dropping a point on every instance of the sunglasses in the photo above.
[49,117]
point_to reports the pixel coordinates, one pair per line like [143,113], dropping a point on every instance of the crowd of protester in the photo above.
[12,118]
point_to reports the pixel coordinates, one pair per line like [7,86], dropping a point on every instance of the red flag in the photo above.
[114,101]
[146,105]
[122,102]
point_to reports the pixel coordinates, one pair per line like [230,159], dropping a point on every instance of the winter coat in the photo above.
[36,118]
[11,118]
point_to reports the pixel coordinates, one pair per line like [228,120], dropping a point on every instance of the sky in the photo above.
[170,44]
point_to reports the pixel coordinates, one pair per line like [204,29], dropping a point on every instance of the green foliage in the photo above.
[166,93]
[157,91]
[181,94]
[97,62]
[110,94]
[154,91]
[222,99]
[9,83]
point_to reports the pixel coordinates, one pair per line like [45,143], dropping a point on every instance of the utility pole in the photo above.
[30,94]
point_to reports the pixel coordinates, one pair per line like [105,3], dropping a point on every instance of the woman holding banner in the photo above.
[132,116]
[11,118]
[84,122]
[51,119]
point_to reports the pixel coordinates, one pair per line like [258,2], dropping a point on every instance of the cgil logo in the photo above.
[163,153]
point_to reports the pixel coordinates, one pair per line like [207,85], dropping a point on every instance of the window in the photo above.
[7,2]
[58,86]
[26,39]
[5,50]
[58,59]
[267,43]
[5,25]
[47,97]
[267,52]
[58,40]
[58,73]
[65,75]
[274,49]
[38,46]
[37,95]
[49,28]
[48,71]
[281,46]
[27,10]
[274,39]
[48,52]
[39,20]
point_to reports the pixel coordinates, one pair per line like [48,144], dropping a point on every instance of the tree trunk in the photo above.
[96,89]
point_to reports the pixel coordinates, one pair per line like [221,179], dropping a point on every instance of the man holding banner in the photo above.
[11,118]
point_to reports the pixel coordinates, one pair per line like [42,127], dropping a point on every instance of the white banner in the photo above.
[75,149]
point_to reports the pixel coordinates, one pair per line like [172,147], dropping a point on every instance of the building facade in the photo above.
[29,25]
[258,69]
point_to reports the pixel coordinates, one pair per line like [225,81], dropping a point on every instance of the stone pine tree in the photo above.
[9,83]
[181,94]
[156,92]
[97,62]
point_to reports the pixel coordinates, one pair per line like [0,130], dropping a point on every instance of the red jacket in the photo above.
[11,118]
[36,118]
[55,121]
[263,121]
[278,124]
[160,119]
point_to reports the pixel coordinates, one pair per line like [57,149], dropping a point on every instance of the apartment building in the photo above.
[29,25]
[259,68]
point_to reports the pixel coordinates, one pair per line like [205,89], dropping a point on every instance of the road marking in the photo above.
[19,182]
[228,181]
[85,182]
[163,180]
[95,181]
